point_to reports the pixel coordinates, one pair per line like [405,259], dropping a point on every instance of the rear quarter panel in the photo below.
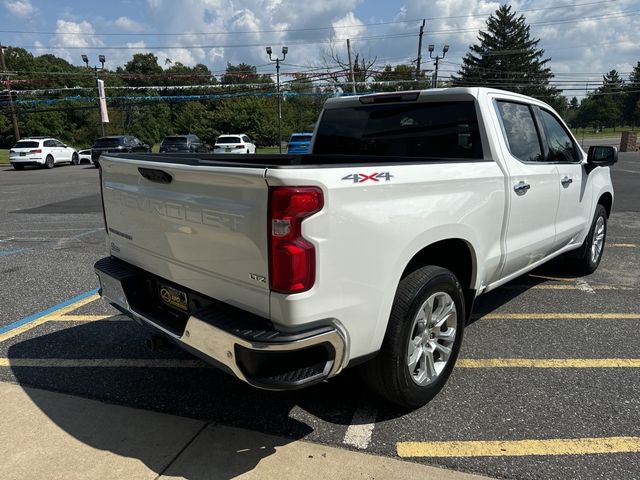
[368,232]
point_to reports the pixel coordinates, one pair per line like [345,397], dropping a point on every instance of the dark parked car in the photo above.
[183,143]
[117,144]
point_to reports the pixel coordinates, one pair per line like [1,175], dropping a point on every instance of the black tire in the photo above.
[18,167]
[75,159]
[49,162]
[389,374]
[585,260]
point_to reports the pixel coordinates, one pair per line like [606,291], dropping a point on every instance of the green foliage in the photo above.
[404,73]
[631,98]
[243,73]
[507,57]
[603,108]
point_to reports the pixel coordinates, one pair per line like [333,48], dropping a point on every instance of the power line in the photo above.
[324,41]
[286,30]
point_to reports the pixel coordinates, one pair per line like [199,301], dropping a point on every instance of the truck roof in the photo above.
[421,95]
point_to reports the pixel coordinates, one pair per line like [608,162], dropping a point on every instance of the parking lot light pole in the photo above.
[101,59]
[285,50]
[445,49]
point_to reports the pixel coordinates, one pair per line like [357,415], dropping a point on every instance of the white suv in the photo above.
[238,143]
[43,152]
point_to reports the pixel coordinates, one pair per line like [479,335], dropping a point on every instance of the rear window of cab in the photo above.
[447,130]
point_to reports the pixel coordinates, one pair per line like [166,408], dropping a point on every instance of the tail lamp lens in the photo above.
[292,262]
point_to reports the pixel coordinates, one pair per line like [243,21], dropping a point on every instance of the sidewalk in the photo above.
[49,435]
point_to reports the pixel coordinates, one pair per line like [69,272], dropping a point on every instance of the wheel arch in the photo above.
[454,254]
[606,200]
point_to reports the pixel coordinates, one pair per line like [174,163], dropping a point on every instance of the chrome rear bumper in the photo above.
[263,357]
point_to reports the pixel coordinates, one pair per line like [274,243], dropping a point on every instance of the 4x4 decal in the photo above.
[363,177]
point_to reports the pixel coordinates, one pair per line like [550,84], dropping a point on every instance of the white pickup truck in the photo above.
[284,270]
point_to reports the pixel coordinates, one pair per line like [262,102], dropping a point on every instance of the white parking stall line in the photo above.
[360,430]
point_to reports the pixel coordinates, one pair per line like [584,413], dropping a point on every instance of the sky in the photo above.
[583,38]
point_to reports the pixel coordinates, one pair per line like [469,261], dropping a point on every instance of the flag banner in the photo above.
[102,100]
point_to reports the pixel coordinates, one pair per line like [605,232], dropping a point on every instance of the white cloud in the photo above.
[347,27]
[128,25]
[20,8]
[76,34]
[235,31]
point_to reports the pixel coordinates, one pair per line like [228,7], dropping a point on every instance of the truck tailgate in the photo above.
[201,227]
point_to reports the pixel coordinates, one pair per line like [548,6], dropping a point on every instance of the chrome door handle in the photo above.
[521,187]
[566,181]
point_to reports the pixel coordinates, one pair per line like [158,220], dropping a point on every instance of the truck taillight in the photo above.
[292,259]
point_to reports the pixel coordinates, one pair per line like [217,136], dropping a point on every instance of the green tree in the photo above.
[574,104]
[603,107]
[400,77]
[243,74]
[631,98]
[507,57]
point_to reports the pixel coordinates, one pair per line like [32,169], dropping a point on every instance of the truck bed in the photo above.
[282,160]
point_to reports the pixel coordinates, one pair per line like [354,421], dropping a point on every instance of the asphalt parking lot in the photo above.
[547,385]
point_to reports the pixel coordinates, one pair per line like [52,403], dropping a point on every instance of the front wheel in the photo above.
[586,260]
[75,160]
[422,341]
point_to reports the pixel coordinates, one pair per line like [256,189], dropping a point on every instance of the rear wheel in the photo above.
[422,341]
[49,162]
[75,160]
[18,167]
[587,258]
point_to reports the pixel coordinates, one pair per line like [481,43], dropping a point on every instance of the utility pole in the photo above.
[445,49]
[351,77]
[420,47]
[285,50]
[14,119]
[101,59]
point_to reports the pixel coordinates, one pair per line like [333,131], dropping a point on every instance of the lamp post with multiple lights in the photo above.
[445,49]
[101,59]
[285,50]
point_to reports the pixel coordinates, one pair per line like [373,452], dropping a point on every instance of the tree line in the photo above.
[151,101]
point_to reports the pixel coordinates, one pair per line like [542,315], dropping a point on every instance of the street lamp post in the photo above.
[285,50]
[101,59]
[445,49]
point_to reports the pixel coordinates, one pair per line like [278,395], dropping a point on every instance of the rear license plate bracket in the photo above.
[173,297]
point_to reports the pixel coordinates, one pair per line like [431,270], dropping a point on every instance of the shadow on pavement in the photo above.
[203,394]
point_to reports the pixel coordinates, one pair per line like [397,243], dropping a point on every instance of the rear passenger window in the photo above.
[520,131]
[561,148]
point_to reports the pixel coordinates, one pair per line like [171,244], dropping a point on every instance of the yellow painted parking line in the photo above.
[624,245]
[62,311]
[560,316]
[548,363]
[17,331]
[520,448]
[73,306]
[87,318]
[558,279]
[561,286]
[100,363]
[180,363]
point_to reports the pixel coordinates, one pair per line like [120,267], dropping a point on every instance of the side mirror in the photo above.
[602,156]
